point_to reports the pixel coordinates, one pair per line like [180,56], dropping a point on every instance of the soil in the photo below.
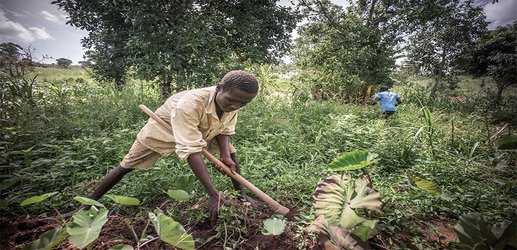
[20,231]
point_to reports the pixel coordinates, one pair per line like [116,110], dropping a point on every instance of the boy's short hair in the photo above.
[384,88]
[240,79]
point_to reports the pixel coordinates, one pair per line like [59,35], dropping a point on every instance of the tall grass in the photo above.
[78,130]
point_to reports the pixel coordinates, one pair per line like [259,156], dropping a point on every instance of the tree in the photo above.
[85,63]
[181,43]
[440,31]
[108,33]
[15,63]
[345,51]
[494,56]
[190,43]
[63,62]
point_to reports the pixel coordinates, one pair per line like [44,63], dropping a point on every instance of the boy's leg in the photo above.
[109,180]
[138,156]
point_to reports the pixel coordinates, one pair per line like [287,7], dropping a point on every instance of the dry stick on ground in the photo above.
[498,132]
[263,196]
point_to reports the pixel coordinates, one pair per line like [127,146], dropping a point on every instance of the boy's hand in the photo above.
[229,162]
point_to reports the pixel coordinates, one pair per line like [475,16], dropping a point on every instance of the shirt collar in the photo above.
[210,107]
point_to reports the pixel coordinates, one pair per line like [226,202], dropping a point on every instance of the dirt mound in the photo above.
[238,227]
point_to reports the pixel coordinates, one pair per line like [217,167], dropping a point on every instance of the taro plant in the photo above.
[273,227]
[345,205]
[84,227]
[419,181]
[40,198]
[475,233]
[171,231]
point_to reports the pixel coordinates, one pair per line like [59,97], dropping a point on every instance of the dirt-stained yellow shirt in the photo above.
[192,115]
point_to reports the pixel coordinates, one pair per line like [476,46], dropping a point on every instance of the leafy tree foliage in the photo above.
[346,51]
[440,31]
[63,62]
[108,33]
[180,43]
[15,62]
[495,56]
[15,87]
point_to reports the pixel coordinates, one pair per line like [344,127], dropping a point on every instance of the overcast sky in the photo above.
[42,25]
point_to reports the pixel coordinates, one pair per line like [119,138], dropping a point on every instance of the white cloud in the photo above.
[40,33]
[16,32]
[501,13]
[49,17]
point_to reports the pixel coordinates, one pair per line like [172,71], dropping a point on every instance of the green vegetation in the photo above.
[446,157]
[78,131]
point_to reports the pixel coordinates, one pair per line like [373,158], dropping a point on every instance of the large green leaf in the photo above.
[337,237]
[337,197]
[185,182]
[36,199]
[506,234]
[421,182]
[353,160]
[274,226]
[86,226]
[123,200]
[474,233]
[88,201]
[48,240]
[366,229]
[179,195]
[171,231]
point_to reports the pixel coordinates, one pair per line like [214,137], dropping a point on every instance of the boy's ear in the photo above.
[218,88]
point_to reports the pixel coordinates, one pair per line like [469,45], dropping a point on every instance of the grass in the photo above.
[78,132]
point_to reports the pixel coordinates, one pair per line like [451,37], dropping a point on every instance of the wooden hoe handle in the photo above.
[263,196]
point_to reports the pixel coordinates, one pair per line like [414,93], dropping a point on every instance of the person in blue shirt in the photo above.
[388,100]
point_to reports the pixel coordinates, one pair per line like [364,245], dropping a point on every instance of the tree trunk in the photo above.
[438,79]
[499,96]
[435,86]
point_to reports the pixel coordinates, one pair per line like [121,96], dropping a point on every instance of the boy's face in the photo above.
[232,99]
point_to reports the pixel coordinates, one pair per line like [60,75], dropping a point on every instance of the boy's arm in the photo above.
[197,165]
[223,142]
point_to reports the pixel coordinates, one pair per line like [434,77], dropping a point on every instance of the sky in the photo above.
[41,25]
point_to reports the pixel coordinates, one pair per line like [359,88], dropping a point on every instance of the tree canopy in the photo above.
[184,42]
[63,62]
[494,56]
[440,31]
[346,51]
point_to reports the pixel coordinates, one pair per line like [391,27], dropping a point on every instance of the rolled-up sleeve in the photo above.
[185,121]
[229,129]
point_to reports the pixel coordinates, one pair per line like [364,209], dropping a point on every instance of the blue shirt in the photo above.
[388,100]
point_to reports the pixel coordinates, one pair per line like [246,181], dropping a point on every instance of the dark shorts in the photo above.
[389,113]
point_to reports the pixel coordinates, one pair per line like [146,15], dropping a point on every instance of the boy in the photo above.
[388,100]
[199,118]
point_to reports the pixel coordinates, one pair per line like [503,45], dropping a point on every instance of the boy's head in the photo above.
[235,90]
[384,88]
[239,79]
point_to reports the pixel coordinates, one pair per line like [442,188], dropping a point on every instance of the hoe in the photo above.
[263,196]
